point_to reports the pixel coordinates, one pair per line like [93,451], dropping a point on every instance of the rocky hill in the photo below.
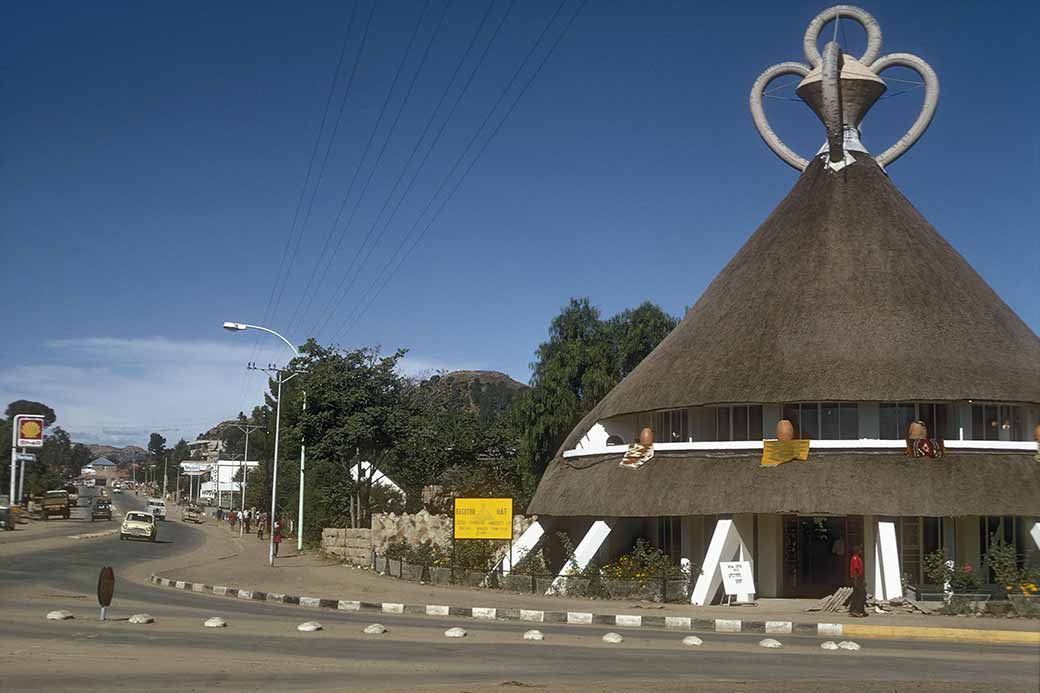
[118,455]
[487,392]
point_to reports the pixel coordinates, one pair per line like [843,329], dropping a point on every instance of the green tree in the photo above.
[156,446]
[582,360]
[25,406]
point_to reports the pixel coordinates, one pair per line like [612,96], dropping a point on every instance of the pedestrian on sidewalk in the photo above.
[248,520]
[858,602]
[276,537]
[261,521]
[232,517]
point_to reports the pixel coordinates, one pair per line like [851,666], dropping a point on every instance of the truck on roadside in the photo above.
[55,504]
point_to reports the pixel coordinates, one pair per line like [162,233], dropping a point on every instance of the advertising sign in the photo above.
[736,577]
[29,430]
[484,518]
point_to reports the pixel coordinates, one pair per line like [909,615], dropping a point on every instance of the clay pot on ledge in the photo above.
[784,430]
[646,436]
[917,431]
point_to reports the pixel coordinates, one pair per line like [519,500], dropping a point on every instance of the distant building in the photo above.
[207,450]
[101,468]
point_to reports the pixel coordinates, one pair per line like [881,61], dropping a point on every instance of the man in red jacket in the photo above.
[858,603]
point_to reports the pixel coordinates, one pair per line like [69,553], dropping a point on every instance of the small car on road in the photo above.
[139,525]
[157,507]
[101,509]
[192,513]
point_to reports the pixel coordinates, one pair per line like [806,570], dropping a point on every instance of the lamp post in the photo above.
[239,327]
[245,428]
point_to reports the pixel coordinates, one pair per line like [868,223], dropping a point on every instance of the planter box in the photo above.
[650,589]
[517,583]
[469,578]
[413,572]
[542,584]
[966,603]
[393,567]
[1027,605]
[380,564]
[440,575]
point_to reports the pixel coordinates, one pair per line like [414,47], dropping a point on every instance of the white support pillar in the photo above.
[587,548]
[886,563]
[1034,532]
[726,544]
[521,547]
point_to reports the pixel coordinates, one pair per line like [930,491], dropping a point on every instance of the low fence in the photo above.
[655,588]
[352,546]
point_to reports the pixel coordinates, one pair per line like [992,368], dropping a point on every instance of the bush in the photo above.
[644,561]
[961,576]
[426,553]
[1002,559]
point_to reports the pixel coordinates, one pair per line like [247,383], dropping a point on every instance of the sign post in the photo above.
[106,587]
[483,518]
[27,433]
[23,457]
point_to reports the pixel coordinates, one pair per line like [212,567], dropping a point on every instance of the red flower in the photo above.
[967,568]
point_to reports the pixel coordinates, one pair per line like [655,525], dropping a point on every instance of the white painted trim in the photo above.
[521,547]
[587,548]
[1034,532]
[861,444]
[886,559]
[437,610]
[726,544]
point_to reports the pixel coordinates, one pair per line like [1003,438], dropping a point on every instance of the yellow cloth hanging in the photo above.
[776,452]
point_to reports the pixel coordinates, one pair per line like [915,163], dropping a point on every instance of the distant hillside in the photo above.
[118,455]
[217,432]
[489,393]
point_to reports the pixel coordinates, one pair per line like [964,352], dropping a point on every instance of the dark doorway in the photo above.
[821,555]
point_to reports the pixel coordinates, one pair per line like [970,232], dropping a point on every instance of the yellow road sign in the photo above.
[484,518]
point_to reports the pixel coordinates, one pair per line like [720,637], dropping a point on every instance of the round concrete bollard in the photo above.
[613,638]
[829,645]
[455,632]
[309,627]
[848,645]
[142,618]
[534,635]
[692,641]
[215,622]
[770,643]
[375,629]
[60,615]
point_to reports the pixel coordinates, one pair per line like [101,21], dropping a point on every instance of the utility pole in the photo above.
[245,428]
[281,379]
[166,459]
[303,457]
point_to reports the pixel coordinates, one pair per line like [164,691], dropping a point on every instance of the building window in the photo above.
[670,426]
[740,422]
[996,422]
[895,419]
[823,421]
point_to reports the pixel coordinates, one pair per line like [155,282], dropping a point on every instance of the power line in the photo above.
[375,129]
[351,322]
[340,291]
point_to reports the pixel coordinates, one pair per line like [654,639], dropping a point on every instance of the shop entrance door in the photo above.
[816,553]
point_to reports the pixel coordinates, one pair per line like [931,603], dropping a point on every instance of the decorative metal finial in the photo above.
[841,89]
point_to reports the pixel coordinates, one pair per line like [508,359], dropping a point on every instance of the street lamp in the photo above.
[240,327]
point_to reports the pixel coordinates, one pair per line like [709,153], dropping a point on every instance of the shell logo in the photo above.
[31,429]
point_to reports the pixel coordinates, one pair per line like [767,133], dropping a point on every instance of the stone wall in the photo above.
[353,546]
[422,527]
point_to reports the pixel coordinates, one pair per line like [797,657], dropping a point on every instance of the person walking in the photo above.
[276,535]
[858,602]
[261,520]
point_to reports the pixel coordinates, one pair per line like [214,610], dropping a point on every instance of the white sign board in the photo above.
[736,577]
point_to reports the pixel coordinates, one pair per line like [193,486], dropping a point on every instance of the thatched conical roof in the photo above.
[845,293]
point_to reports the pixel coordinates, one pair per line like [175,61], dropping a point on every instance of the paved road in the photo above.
[261,649]
[78,523]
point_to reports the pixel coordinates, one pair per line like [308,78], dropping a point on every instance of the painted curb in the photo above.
[681,623]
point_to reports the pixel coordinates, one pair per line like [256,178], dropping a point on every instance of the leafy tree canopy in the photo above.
[25,406]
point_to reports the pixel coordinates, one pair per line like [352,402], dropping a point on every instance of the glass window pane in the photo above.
[810,421]
[906,417]
[740,423]
[926,412]
[942,422]
[932,534]
[978,426]
[722,423]
[829,421]
[888,421]
[755,422]
[848,422]
[791,414]
[990,416]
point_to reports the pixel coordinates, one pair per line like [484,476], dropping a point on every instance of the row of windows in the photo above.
[838,421]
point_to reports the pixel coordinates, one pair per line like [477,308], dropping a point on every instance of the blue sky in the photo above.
[154,156]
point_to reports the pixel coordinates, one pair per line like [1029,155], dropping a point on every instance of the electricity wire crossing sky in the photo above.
[440,176]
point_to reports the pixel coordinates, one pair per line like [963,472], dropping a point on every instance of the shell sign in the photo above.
[30,431]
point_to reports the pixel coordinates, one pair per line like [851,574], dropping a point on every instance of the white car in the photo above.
[117,489]
[137,524]
[157,507]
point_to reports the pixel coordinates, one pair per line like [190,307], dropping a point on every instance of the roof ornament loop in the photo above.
[841,89]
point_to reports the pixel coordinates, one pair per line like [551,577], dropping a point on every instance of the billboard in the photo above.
[29,431]
[483,518]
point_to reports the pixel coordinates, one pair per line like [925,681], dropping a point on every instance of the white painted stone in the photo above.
[678,622]
[347,605]
[534,635]
[142,618]
[770,643]
[579,618]
[437,610]
[692,641]
[829,629]
[455,632]
[309,627]
[313,602]
[778,627]
[727,625]
[60,615]
[532,615]
[829,645]
[484,613]
[198,587]
[613,638]
[628,620]
[245,594]
[215,622]
[392,608]
[848,645]
[179,584]
[375,629]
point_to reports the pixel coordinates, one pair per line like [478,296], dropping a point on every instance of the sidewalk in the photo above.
[241,564]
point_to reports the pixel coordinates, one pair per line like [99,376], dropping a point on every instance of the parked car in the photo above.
[117,489]
[157,507]
[7,519]
[101,508]
[137,524]
[55,503]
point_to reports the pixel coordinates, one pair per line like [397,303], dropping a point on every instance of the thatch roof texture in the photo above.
[844,293]
[841,483]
